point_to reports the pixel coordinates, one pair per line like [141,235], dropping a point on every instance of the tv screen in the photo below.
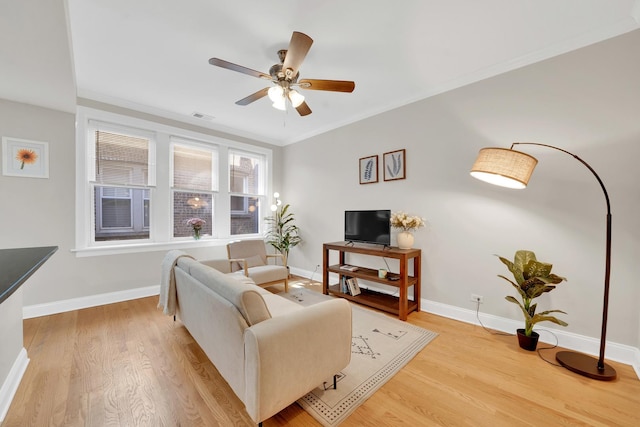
[368,227]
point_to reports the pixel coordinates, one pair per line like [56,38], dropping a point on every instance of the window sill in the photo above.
[148,247]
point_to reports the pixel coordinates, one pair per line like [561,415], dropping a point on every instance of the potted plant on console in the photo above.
[532,279]
[407,224]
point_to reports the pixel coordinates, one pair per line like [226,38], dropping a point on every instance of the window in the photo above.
[138,182]
[120,185]
[246,191]
[195,172]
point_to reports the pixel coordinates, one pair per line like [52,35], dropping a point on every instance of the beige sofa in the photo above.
[270,350]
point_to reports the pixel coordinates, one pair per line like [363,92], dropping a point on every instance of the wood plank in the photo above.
[127,364]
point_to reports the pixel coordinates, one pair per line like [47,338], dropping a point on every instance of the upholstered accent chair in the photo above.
[250,257]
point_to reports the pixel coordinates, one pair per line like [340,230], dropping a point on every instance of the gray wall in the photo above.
[586,101]
[41,212]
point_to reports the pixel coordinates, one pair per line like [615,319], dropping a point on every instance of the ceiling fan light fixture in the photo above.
[296,98]
[279,104]
[276,93]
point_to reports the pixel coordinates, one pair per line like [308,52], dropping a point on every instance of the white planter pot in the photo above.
[405,240]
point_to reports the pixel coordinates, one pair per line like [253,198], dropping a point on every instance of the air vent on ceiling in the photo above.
[202,116]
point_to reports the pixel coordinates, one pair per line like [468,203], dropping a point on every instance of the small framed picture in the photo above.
[354,287]
[21,157]
[369,169]
[394,164]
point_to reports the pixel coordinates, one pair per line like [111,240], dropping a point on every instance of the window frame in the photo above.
[215,180]
[260,195]
[160,185]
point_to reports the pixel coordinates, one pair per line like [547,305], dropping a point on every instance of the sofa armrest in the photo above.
[288,356]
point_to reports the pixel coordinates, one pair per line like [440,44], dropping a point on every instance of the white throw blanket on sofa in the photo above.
[168,282]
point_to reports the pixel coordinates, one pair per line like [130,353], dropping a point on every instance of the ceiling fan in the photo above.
[285,77]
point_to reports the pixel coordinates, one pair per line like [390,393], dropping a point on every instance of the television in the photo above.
[368,227]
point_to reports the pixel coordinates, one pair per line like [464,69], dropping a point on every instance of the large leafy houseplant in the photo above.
[282,231]
[532,279]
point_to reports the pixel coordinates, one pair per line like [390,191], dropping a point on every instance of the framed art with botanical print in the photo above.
[394,164]
[21,157]
[369,170]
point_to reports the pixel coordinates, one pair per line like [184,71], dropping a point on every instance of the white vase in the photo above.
[405,240]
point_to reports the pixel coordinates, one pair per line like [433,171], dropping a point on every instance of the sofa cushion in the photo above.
[254,261]
[241,278]
[268,273]
[278,305]
[243,295]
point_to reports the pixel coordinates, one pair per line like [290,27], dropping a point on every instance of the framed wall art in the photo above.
[369,170]
[394,165]
[21,157]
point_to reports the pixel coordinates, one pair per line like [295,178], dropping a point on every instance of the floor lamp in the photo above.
[512,169]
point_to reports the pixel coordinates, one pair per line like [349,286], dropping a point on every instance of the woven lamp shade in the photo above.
[504,167]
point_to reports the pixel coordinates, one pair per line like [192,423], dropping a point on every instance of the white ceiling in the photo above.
[152,55]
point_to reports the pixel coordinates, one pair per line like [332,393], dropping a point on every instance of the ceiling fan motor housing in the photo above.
[278,74]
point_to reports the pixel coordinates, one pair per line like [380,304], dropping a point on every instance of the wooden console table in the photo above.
[400,306]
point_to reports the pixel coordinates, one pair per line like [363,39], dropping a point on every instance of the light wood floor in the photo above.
[126,364]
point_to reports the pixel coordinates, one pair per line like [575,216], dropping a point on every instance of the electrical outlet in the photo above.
[477,298]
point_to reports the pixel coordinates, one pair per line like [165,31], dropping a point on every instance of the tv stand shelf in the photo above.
[400,306]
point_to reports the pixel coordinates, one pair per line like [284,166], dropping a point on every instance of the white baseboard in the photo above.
[588,345]
[10,385]
[55,307]
[617,352]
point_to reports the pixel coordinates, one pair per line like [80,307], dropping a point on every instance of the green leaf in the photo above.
[534,268]
[520,291]
[533,288]
[514,269]
[540,318]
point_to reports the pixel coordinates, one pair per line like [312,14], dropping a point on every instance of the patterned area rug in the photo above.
[381,346]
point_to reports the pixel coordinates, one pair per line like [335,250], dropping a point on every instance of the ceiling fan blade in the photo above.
[298,48]
[303,109]
[253,97]
[239,68]
[332,85]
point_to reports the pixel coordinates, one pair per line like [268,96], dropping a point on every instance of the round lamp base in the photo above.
[585,365]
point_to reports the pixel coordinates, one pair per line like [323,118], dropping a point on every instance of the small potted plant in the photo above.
[407,224]
[532,279]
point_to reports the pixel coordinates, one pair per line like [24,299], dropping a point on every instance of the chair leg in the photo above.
[286,285]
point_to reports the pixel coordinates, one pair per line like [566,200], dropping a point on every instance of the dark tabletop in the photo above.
[17,265]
